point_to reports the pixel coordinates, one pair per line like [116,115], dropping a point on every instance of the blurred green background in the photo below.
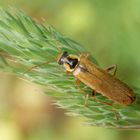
[110,30]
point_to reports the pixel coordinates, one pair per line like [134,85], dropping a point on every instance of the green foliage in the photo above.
[25,43]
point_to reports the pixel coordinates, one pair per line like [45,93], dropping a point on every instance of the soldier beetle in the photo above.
[99,80]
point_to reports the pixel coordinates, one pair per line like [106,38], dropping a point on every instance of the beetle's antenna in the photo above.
[45,63]
[58,47]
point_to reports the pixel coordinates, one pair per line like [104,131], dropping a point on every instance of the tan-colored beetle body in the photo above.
[97,79]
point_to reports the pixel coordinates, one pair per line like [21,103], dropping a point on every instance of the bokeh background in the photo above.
[110,30]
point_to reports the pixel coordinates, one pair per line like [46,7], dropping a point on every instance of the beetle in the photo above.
[99,80]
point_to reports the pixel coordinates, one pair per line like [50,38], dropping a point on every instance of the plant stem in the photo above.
[25,43]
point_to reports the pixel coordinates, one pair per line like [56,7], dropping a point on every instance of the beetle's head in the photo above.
[68,61]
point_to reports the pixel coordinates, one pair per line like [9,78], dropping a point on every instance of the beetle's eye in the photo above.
[62,58]
[65,54]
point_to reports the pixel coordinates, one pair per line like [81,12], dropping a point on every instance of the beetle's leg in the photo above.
[78,82]
[93,94]
[87,55]
[105,103]
[84,55]
[116,114]
[86,100]
[110,68]
[67,72]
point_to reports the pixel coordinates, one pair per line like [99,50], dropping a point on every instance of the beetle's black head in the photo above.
[68,61]
[62,58]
